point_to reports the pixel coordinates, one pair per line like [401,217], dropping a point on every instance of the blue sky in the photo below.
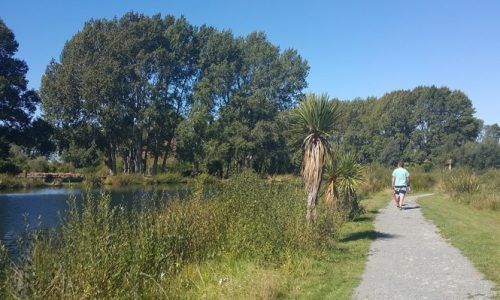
[354,48]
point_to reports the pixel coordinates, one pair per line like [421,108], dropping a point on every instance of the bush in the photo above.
[8,167]
[39,164]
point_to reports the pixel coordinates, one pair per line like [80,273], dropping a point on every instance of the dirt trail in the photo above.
[410,260]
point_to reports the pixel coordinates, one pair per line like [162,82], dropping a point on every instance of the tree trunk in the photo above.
[154,151]
[155,163]
[312,172]
[138,152]
[312,198]
[111,160]
[165,156]
[145,162]
[125,163]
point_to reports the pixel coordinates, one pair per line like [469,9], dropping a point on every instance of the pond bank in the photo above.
[11,183]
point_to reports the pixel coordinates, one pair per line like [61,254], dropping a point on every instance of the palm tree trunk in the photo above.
[312,171]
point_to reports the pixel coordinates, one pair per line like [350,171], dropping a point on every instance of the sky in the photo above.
[356,48]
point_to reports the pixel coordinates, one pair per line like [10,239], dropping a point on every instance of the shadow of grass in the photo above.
[362,219]
[367,234]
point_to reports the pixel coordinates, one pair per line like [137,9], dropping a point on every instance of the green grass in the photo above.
[475,232]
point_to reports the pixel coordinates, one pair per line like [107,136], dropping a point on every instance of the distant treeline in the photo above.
[426,125]
[133,92]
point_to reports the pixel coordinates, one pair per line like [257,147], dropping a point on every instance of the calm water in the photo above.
[43,208]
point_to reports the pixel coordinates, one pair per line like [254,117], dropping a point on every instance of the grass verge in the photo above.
[475,232]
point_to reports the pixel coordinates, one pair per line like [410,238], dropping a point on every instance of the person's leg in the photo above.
[401,199]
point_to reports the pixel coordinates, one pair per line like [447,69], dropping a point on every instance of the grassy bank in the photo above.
[9,182]
[241,238]
[475,232]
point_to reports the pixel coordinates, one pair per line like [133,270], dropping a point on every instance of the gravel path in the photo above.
[410,260]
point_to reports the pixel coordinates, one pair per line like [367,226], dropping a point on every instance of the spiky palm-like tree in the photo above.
[314,119]
[344,174]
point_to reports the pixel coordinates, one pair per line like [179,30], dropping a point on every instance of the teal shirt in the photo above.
[400,176]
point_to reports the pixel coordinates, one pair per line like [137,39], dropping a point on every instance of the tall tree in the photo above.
[245,83]
[130,79]
[17,102]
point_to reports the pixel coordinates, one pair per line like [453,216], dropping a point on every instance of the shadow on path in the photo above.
[405,207]
[368,234]
[362,219]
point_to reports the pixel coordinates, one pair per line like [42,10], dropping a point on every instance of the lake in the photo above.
[43,208]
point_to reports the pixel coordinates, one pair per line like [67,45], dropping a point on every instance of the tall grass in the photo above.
[111,252]
[481,191]
[376,178]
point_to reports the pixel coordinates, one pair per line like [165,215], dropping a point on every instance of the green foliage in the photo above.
[8,167]
[344,175]
[106,252]
[315,117]
[479,156]
[128,84]
[39,164]
[17,103]
[82,157]
[419,125]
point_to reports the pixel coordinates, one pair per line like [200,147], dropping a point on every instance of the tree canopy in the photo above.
[18,105]
[139,87]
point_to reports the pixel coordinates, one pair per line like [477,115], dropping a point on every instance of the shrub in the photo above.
[39,164]
[7,166]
